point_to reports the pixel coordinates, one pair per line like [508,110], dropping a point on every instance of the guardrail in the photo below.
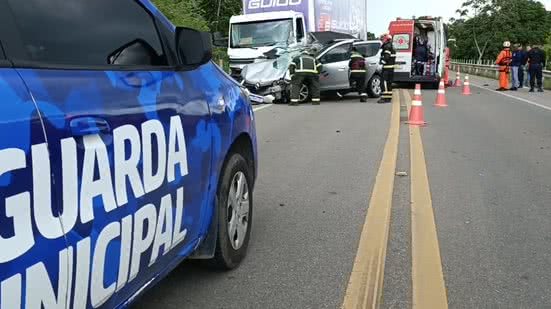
[488,69]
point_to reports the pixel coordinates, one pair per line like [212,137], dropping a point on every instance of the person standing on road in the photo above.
[358,73]
[304,70]
[517,67]
[536,57]
[388,60]
[504,61]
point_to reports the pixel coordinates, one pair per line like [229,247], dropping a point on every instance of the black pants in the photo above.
[358,81]
[388,78]
[310,80]
[536,75]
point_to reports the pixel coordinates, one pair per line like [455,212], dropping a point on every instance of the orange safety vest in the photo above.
[504,60]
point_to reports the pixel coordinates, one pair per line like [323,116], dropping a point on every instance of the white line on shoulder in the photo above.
[514,97]
[261,107]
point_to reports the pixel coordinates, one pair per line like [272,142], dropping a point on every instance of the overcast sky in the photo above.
[378,20]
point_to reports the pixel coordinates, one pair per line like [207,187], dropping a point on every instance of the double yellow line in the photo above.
[365,288]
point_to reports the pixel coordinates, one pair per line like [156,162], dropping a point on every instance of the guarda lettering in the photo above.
[264,4]
[148,230]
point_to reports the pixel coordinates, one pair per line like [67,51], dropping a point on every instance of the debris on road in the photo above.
[401,174]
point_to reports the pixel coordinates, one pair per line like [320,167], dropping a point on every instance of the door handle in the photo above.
[342,69]
[82,126]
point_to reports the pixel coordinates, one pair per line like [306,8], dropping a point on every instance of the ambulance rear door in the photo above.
[402,33]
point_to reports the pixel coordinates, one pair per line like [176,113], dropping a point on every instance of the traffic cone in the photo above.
[441,97]
[417,93]
[466,86]
[416,114]
[458,82]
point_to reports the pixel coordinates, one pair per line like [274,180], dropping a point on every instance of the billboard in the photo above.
[348,16]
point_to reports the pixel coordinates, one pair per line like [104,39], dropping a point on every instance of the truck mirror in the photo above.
[219,40]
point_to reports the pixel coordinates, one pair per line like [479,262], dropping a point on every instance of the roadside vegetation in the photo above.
[481,27]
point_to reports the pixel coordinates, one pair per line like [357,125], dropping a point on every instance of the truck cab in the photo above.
[420,45]
[252,35]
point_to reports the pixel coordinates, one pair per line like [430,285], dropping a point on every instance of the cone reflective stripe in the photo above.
[416,114]
[417,93]
[441,97]
[458,82]
[466,86]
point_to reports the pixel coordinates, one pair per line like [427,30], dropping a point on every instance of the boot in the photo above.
[531,90]
[540,89]
[363,99]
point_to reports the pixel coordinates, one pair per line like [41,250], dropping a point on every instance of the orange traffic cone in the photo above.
[458,82]
[416,114]
[441,97]
[417,93]
[466,86]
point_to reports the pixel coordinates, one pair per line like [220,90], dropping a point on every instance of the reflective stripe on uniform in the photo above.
[315,100]
[293,64]
[358,71]
[357,56]
[294,100]
[393,55]
[388,67]
[306,71]
[388,52]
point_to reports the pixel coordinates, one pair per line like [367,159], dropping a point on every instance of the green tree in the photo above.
[483,26]
[185,13]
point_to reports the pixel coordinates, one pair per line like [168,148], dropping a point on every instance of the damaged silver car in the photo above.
[268,79]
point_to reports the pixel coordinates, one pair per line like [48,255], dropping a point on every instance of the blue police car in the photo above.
[123,150]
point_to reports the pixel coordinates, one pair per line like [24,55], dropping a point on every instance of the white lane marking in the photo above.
[513,97]
[261,107]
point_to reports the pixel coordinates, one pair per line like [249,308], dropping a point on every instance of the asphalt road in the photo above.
[488,161]
[317,167]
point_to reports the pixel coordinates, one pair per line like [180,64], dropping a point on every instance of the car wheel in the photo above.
[235,211]
[304,94]
[374,87]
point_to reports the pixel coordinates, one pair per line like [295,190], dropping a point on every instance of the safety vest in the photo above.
[304,64]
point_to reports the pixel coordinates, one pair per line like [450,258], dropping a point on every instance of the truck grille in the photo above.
[242,61]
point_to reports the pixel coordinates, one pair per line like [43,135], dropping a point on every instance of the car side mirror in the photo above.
[193,47]
[219,40]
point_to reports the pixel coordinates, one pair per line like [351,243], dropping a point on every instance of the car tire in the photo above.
[231,250]
[374,86]
[305,93]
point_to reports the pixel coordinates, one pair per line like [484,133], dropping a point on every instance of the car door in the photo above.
[335,71]
[372,53]
[28,228]
[128,140]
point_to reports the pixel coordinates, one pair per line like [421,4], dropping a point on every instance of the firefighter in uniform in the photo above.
[358,73]
[305,69]
[504,60]
[388,59]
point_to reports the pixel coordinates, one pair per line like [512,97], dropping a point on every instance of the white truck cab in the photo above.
[252,35]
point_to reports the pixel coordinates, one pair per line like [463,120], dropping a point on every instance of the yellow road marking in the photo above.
[366,281]
[429,290]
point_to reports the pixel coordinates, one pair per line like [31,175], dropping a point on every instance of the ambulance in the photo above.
[407,34]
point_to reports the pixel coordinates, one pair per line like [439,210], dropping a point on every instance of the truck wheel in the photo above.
[374,87]
[235,213]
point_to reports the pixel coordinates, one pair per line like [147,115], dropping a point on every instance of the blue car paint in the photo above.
[42,106]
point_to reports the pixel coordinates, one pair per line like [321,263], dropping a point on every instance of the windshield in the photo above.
[261,33]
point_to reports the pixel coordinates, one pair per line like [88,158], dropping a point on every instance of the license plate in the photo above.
[256,98]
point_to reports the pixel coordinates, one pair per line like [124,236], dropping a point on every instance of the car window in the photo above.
[337,54]
[369,49]
[88,33]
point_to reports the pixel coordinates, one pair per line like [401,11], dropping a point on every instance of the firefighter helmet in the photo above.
[506,44]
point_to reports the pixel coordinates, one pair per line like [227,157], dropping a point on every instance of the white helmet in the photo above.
[506,44]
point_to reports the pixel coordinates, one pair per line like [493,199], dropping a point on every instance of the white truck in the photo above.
[266,24]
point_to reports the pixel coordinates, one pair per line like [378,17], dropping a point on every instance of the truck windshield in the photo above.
[261,33]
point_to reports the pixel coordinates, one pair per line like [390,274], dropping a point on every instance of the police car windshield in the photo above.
[261,33]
